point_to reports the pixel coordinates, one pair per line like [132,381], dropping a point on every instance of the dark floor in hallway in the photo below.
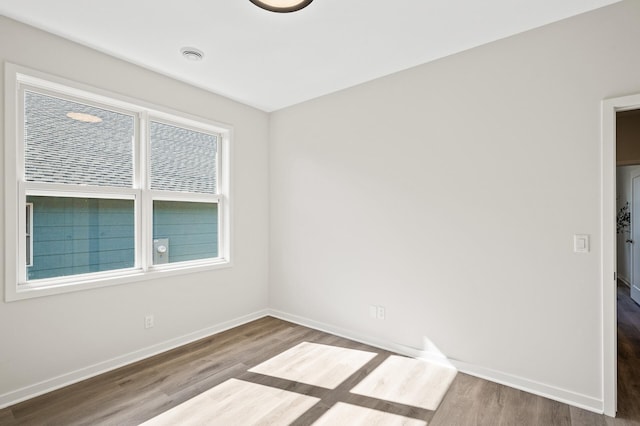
[628,356]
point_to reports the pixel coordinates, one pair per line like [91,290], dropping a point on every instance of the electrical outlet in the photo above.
[377,312]
[148,321]
[373,311]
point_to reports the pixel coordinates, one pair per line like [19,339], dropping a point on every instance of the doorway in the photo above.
[610,110]
[628,222]
[634,242]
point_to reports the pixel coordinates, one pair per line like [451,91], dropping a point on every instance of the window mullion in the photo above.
[144,222]
[29,234]
[62,190]
[184,196]
[22,224]
[145,212]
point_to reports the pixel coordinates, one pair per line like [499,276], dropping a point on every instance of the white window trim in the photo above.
[16,285]
[29,233]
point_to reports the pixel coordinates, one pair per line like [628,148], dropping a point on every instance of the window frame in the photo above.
[20,79]
[29,234]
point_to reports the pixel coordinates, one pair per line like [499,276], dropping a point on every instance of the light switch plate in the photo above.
[581,243]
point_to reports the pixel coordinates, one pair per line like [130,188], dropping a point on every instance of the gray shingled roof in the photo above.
[182,160]
[59,149]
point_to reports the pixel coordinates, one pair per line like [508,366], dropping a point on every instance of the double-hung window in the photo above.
[107,190]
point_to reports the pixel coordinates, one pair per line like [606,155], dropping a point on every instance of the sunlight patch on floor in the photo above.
[397,380]
[315,364]
[236,402]
[408,381]
[353,415]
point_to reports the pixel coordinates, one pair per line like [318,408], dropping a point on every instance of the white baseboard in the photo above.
[544,390]
[541,389]
[547,391]
[31,391]
[368,340]
[626,281]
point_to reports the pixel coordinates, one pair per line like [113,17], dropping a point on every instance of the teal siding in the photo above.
[192,229]
[80,235]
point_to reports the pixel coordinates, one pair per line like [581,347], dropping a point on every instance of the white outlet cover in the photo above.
[581,243]
[373,311]
[148,321]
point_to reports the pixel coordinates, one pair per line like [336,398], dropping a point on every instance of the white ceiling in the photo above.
[271,60]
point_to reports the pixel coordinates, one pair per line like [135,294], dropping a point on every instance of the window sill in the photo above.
[51,287]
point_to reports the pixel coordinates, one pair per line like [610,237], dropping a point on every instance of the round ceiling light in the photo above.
[282,6]
[192,54]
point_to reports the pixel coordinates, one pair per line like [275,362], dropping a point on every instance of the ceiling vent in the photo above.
[192,54]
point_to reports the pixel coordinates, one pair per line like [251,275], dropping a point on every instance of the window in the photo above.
[113,191]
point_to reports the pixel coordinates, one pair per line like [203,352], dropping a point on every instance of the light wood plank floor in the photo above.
[141,391]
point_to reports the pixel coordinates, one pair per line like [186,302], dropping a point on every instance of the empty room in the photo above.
[319,212]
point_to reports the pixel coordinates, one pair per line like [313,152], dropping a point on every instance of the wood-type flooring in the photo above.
[141,391]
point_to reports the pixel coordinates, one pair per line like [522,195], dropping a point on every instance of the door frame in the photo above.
[635,228]
[608,261]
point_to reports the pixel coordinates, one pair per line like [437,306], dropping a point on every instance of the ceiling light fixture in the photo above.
[192,54]
[281,6]
[85,118]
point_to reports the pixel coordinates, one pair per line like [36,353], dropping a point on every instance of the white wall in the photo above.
[624,176]
[450,193]
[73,334]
